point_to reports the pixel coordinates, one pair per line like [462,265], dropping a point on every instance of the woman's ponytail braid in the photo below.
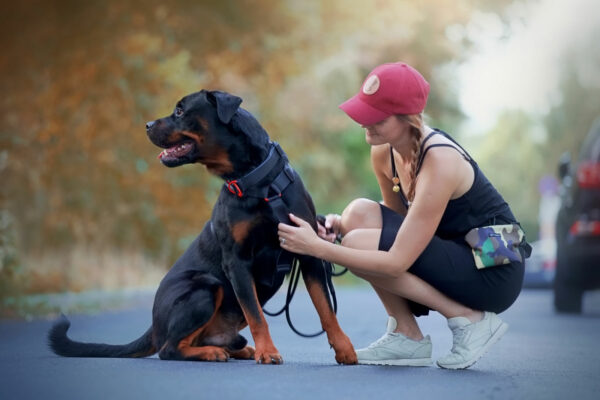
[416,131]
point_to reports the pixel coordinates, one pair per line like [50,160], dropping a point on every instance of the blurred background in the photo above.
[85,204]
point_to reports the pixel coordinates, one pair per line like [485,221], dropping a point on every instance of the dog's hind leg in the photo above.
[238,349]
[315,278]
[247,353]
[177,348]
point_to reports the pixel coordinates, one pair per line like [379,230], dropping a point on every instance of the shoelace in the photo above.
[382,340]
[457,337]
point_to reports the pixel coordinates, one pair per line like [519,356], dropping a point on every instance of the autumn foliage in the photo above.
[83,195]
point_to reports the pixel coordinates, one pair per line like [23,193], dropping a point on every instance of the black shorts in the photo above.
[448,266]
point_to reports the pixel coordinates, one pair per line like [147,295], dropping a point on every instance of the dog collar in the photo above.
[252,185]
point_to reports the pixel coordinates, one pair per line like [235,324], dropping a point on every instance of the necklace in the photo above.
[396,181]
[395,178]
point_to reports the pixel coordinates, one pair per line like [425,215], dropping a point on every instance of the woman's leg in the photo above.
[366,214]
[472,336]
[361,225]
[408,286]
[395,305]
[361,214]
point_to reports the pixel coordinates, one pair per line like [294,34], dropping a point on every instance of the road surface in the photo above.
[543,356]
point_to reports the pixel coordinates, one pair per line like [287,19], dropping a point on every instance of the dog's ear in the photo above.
[244,123]
[227,104]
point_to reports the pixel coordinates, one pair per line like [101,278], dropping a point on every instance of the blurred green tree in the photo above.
[510,158]
[81,79]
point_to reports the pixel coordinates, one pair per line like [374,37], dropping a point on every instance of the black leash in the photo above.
[250,185]
[293,284]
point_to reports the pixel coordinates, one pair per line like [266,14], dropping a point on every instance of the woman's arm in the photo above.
[382,167]
[437,181]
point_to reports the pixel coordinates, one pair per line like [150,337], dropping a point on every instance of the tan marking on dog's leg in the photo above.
[187,341]
[205,353]
[247,353]
[266,352]
[344,351]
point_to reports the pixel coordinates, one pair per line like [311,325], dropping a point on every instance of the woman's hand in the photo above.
[300,239]
[332,229]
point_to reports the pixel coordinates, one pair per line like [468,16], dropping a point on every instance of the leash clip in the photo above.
[233,187]
[268,199]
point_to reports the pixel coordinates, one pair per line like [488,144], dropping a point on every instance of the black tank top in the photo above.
[481,205]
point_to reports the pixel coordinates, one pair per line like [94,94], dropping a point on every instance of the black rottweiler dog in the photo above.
[219,285]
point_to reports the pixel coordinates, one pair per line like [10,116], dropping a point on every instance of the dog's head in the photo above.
[210,128]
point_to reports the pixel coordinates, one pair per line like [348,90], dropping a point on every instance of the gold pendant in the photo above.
[396,181]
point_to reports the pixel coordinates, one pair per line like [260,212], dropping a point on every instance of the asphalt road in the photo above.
[543,356]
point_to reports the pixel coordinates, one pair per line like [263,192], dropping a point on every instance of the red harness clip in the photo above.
[268,199]
[234,188]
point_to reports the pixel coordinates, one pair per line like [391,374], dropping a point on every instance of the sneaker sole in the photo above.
[411,362]
[495,337]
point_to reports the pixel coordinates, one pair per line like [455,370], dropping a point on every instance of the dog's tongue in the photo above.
[175,151]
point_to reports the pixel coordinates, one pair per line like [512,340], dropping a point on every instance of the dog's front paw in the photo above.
[344,351]
[267,356]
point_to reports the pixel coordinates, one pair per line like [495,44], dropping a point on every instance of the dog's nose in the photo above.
[149,125]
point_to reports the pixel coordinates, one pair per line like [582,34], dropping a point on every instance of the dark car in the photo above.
[578,226]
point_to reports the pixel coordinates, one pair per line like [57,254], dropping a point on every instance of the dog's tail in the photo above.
[60,344]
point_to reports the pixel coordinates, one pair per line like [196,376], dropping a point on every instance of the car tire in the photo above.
[567,297]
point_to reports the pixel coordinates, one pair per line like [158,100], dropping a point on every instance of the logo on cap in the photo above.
[371,85]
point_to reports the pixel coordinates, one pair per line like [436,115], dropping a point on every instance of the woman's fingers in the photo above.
[333,220]
[329,220]
[298,239]
[298,221]
[284,228]
[321,231]
[325,233]
[333,225]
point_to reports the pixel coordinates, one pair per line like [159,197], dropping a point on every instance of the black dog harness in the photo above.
[253,185]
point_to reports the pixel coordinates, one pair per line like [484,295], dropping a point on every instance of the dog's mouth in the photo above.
[176,152]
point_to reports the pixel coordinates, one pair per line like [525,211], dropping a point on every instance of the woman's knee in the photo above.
[367,239]
[361,213]
[351,239]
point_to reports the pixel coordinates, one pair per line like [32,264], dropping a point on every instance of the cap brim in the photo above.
[361,112]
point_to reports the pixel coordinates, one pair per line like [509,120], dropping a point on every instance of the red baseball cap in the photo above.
[390,89]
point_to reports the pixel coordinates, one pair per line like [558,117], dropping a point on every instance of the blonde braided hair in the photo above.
[417,131]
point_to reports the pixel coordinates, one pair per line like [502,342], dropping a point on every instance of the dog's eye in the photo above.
[178,111]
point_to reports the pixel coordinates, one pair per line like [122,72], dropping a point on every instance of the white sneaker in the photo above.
[471,339]
[396,349]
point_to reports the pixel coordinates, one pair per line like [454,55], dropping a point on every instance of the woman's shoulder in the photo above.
[380,160]
[380,154]
[437,136]
[446,149]
[446,165]
[379,150]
